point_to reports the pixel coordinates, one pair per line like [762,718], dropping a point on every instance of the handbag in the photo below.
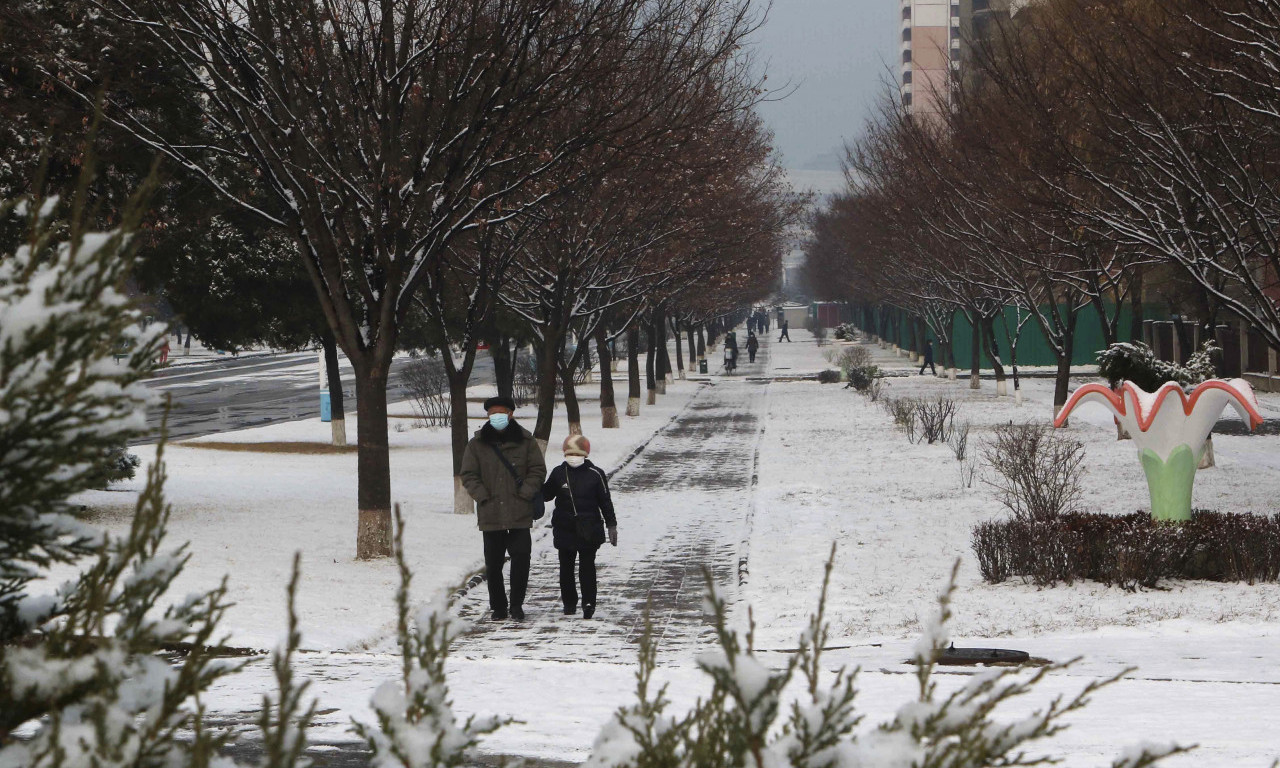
[585,527]
[537,503]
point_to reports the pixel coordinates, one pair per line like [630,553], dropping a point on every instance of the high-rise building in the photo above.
[936,35]
[930,51]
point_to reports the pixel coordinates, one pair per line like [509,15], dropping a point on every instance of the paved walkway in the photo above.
[683,508]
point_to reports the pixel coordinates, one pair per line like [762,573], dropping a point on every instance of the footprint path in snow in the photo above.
[682,506]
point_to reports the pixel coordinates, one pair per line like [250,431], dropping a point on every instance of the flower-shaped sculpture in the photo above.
[1169,428]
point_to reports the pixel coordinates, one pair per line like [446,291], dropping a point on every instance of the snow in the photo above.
[246,513]
[830,467]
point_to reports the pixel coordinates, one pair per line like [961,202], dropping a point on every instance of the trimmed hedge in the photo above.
[1130,551]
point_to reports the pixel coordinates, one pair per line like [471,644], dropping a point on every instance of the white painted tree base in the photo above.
[462,503]
[338,429]
[633,406]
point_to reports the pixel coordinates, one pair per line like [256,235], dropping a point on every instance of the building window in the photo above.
[981,5]
[906,13]
[906,77]
[906,35]
[906,99]
[955,10]
[906,56]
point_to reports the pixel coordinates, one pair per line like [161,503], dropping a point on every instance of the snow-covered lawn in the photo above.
[246,513]
[833,468]
[830,467]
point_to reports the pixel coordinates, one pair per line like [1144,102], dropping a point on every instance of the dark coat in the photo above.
[928,354]
[753,343]
[590,498]
[500,504]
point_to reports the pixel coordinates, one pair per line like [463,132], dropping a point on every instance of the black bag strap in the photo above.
[572,502]
[507,463]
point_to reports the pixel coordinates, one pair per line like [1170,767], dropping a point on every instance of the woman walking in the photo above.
[582,521]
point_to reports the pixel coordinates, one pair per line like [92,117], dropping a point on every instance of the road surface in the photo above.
[234,393]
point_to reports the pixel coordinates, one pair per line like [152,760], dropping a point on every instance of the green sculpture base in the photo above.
[1170,483]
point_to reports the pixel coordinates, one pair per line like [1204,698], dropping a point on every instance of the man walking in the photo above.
[753,345]
[503,469]
[928,358]
[782,326]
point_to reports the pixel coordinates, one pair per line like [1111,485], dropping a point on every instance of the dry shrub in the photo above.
[1130,551]
[959,440]
[1037,470]
[428,387]
[936,419]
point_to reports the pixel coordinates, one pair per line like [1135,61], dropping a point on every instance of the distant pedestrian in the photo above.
[581,523]
[503,470]
[928,358]
[730,352]
[751,323]
[782,326]
[753,344]
[764,320]
[164,350]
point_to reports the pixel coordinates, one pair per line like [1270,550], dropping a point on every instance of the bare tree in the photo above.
[385,130]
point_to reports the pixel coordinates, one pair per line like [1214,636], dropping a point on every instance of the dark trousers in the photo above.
[751,354]
[586,557]
[784,335]
[928,364]
[518,543]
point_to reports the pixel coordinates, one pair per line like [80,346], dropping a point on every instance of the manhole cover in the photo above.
[960,656]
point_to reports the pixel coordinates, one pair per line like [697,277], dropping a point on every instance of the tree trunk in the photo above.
[975,354]
[650,367]
[633,372]
[548,375]
[675,333]
[993,351]
[608,405]
[664,356]
[571,408]
[373,533]
[693,349]
[702,344]
[504,368]
[1062,382]
[338,424]
[1135,321]
[460,433]
[459,376]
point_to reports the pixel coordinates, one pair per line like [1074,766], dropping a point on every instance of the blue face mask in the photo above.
[499,420]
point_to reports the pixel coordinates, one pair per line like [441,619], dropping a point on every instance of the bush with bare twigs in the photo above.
[428,387]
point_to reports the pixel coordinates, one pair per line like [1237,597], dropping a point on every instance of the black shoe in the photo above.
[498,616]
[569,610]
[517,613]
[588,610]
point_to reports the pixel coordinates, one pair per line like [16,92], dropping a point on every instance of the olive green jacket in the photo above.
[500,505]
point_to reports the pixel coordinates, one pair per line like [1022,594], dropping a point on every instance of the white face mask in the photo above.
[574,461]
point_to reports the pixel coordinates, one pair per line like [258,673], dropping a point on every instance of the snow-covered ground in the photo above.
[828,467]
[246,513]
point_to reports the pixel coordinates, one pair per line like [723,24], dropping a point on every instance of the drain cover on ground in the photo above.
[954,655]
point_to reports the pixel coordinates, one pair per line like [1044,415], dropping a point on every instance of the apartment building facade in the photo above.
[936,40]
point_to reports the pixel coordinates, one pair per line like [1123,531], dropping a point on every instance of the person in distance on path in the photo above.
[782,326]
[502,469]
[928,358]
[753,345]
[582,521]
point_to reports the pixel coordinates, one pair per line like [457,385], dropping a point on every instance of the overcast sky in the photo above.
[838,54]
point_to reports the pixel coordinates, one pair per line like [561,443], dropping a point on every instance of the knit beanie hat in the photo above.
[577,445]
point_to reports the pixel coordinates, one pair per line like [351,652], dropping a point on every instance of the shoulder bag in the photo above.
[586,528]
[537,503]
